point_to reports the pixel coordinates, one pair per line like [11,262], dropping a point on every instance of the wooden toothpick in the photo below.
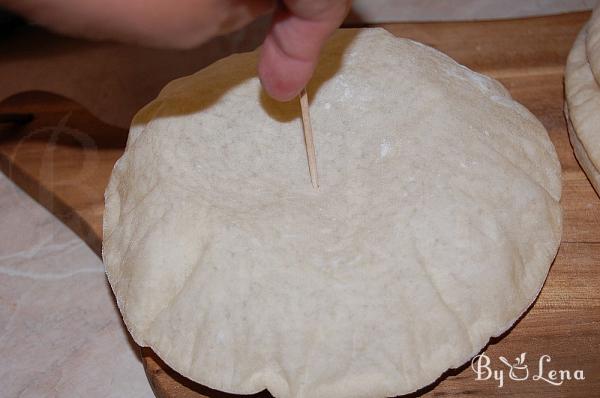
[308,139]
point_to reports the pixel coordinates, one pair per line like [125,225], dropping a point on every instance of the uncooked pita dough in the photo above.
[583,99]
[593,43]
[433,230]
[581,155]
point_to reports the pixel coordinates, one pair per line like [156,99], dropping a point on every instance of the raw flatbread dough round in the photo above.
[582,157]
[583,100]
[433,230]
[593,43]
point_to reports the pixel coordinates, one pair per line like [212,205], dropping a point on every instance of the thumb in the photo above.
[291,49]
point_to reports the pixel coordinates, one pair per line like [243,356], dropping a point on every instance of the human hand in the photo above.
[288,57]
[291,49]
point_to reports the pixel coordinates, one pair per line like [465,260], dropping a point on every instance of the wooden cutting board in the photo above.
[64,159]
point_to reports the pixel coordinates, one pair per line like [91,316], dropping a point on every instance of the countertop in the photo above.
[61,334]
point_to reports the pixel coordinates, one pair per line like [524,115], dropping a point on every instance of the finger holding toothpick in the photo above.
[308,139]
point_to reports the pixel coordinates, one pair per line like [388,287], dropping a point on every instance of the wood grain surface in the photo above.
[64,157]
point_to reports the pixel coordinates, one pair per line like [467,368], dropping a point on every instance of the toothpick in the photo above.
[308,139]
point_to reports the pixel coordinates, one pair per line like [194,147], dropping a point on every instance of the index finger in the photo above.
[291,49]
